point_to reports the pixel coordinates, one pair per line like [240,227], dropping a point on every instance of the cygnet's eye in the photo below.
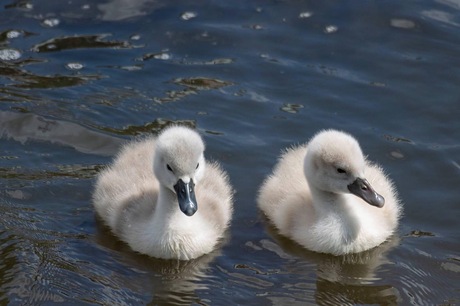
[169,168]
[197,165]
[340,170]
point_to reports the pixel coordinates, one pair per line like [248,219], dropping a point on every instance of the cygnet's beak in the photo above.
[361,188]
[186,197]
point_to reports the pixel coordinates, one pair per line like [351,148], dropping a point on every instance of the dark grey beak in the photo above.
[186,197]
[361,188]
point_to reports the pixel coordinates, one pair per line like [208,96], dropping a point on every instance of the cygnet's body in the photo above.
[163,199]
[328,198]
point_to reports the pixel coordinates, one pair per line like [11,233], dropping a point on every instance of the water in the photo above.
[79,78]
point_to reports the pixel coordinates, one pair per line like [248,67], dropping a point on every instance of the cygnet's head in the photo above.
[335,163]
[179,164]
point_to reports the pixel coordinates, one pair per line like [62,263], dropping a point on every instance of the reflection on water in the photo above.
[340,280]
[173,281]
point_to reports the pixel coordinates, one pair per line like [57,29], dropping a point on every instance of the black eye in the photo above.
[340,170]
[197,165]
[169,168]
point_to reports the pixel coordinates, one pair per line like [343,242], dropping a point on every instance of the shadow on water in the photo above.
[23,127]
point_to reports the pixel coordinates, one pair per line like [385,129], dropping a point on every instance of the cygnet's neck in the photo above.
[337,206]
[325,201]
[167,206]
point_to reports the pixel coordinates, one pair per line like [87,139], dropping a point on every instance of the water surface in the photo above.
[79,78]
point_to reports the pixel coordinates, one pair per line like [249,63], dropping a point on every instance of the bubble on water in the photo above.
[188,15]
[51,46]
[330,29]
[9,54]
[25,6]
[256,27]
[50,22]
[74,66]
[135,37]
[162,56]
[305,15]
[402,23]
[397,154]
[13,34]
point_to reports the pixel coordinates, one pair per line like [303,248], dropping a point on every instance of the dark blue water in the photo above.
[78,78]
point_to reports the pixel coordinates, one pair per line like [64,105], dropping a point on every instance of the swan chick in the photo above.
[328,198]
[163,198]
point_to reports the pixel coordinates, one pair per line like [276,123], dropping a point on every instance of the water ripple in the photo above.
[192,86]
[79,42]
[9,54]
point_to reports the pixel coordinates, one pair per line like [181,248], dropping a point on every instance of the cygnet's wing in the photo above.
[128,180]
[285,193]
[215,196]
[392,208]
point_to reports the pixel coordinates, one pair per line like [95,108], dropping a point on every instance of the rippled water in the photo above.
[78,78]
